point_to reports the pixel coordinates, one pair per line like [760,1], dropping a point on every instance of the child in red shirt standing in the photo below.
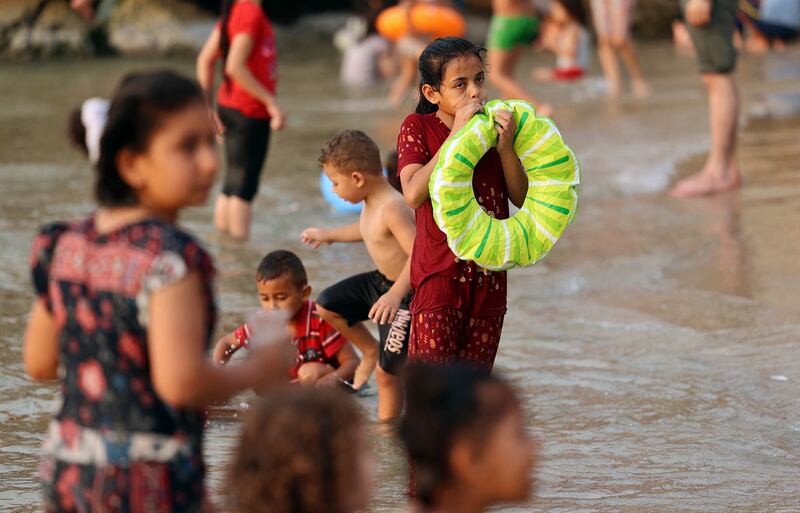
[458,307]
[247,107]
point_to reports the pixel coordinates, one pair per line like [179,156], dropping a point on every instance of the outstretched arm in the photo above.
[316,237]
[225,348]
[182,374]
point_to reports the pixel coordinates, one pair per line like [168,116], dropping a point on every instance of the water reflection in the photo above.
[643,345]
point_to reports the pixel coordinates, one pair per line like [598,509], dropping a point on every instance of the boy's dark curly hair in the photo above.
[297,454]
[352,150]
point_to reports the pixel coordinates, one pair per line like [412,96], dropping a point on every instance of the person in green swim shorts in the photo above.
[514,26]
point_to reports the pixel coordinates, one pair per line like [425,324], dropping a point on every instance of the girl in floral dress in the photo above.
[125,312]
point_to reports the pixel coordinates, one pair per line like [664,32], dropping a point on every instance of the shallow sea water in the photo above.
[656,348]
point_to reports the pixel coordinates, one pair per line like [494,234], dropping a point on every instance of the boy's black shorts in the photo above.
[353,297]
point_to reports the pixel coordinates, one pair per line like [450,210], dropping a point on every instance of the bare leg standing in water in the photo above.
[612,22]
[513,28]
[711,25]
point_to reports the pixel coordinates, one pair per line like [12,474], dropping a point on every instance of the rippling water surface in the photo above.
[656,348]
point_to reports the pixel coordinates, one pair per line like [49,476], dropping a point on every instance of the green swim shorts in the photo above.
[508,32]
[714,41]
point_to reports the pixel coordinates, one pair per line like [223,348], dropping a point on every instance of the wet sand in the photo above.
[656,347]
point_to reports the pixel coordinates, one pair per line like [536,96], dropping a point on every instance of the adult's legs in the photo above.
[602,18]
[621,40]
[608,62]
[720,172]
[717,59]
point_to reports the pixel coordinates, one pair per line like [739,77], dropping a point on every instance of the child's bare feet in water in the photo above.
[705,183]
[369,360]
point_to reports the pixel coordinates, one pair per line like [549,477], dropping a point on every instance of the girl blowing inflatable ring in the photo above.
[553,175]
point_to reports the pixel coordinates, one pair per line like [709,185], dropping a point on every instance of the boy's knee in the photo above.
[310,373]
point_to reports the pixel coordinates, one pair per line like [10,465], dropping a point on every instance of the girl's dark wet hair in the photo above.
[139,106]
[443,405]
[433,61]
[576,10]
[298,453]
[76,131]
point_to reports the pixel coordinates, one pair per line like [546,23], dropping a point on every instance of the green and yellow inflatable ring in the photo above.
[553,175]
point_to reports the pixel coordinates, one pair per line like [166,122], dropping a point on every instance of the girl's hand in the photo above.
[698,12]
[465,113]
[385,308]
[278,118]
[506,128]
[315,237]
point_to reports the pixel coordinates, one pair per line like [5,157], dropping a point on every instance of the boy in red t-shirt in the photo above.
[324,357]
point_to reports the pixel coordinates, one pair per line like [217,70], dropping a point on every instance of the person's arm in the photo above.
[315,237]
[415,177]
[400,223]
[698,12]
[513,171]
[40,348]
[225,348]
[348,361]
[182,374]
[236,68]
[204,68]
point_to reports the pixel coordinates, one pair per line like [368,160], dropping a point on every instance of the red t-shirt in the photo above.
[249,18]
[314,338]
[420,137]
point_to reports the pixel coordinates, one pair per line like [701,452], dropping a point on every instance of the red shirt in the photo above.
[314,338]
[420,137]
[249,18]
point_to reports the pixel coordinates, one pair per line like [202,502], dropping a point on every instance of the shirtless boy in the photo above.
[351,161]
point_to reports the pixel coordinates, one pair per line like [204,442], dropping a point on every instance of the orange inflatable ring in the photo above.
[429,19]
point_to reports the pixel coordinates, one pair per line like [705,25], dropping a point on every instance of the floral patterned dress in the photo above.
[114,445]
